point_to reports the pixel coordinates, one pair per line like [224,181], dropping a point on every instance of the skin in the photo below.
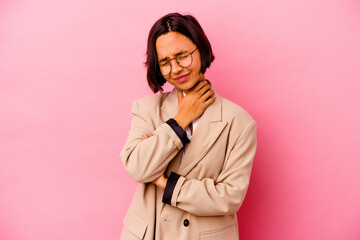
[199,94]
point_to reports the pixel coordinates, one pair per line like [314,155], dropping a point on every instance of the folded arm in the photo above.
[146,159]
[224,196]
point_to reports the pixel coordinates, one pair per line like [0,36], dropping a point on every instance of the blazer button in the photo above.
[186,222]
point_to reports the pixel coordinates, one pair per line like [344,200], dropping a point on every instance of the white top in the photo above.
[188,132]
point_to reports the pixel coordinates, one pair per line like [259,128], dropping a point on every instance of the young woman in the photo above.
[190,150]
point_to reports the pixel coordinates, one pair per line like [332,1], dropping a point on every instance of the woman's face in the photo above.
[168,46]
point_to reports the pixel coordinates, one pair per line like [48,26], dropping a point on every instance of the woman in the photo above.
[190,149]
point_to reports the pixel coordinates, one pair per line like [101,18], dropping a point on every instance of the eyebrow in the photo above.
[166,58]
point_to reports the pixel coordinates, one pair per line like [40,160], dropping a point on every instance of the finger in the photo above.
[199,85]
[207,95]
[204,89]
[210,100]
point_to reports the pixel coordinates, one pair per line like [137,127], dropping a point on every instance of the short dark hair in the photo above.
[184,24]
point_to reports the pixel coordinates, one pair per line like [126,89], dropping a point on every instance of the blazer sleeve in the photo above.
[146,159]
[224,196]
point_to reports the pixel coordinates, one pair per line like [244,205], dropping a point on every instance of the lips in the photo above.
[182,78]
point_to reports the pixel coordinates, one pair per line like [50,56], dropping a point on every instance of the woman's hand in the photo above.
[194,103]
[162,180]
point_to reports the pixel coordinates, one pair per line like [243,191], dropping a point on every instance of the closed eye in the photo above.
[164,60]
[163,63]
[181,53]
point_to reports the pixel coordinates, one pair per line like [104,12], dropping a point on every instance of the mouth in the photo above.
[182,78]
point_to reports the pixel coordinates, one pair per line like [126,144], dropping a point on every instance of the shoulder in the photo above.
[151,102]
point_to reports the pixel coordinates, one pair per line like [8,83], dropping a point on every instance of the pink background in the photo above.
[69,71]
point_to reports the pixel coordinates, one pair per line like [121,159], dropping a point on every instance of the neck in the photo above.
[202,77]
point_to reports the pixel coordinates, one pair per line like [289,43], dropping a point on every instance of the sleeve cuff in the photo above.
[178,130]
[169,188]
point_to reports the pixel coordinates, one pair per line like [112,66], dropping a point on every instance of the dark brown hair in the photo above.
[184,24]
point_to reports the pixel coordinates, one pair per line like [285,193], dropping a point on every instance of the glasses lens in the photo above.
[165,69]
[184,59]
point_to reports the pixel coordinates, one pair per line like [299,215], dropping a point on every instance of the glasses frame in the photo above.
[169,62]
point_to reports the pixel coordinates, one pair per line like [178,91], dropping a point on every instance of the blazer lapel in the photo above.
[170,105]
[175,163]
[207,131]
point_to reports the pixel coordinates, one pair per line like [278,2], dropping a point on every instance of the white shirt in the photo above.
[188,132]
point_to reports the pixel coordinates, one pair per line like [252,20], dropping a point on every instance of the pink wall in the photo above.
[69,71]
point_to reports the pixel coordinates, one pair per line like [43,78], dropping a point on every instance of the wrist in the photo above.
[182,122]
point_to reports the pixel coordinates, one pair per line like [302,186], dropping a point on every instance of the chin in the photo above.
[187,86]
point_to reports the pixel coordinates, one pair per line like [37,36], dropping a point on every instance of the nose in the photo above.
[175,68]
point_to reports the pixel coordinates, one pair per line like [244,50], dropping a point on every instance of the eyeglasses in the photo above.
[183,59]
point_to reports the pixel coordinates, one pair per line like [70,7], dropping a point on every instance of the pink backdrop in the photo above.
[69,71]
